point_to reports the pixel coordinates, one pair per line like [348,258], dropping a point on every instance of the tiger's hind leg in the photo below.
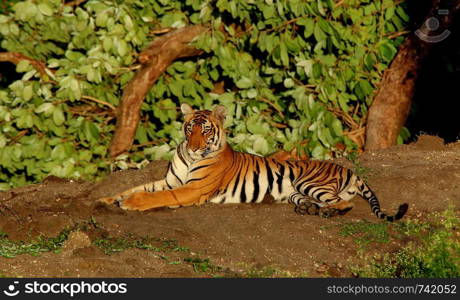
[332,206]
[340,207]
[303,205]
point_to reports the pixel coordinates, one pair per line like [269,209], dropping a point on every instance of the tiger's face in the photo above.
[203,130]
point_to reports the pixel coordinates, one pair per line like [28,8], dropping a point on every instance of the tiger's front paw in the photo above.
[135,201]
[107,200]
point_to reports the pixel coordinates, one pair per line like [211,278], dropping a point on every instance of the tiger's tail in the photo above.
[368,194]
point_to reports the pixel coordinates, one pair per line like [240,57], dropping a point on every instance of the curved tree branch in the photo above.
[154,61]
[15,58]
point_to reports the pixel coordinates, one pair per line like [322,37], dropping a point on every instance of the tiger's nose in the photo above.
[193,146]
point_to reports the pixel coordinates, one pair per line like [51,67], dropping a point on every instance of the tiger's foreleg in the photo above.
[183,196]
[148,187]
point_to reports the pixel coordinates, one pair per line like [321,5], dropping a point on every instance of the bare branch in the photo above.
[98,101]
[15,58]
[154,61]
[75,2]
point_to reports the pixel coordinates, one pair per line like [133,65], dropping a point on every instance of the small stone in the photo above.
[76,240]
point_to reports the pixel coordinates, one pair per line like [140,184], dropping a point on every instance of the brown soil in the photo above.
[236,238]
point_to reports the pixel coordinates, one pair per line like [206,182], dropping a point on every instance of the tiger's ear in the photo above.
[186,109]
[220,112]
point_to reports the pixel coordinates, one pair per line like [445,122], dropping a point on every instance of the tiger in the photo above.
[206,169]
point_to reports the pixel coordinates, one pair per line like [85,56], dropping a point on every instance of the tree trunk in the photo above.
[154,61]
[392,103]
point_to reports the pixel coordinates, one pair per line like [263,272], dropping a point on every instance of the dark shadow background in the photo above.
[436,104]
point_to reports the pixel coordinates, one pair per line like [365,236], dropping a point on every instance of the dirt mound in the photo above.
[105,241]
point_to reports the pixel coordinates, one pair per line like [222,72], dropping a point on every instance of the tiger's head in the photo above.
[204,130]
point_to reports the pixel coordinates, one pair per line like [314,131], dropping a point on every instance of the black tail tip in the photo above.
[401,211]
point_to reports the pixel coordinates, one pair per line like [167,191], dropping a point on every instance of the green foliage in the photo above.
[201,265]
[113,245]
[291,71]
[6,5]
[365,232]
[435,253]
[10,248]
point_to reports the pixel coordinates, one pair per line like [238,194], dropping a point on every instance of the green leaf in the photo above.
[58,152]
[284,55]
[91,131]
[46,108]
[337,127]
[387,51]
[23,66]
[3,141]
[176,88]
[244,83]
[319,34]
[309,25]
[261,145]
[28,92]
[288,83]
[58,116]
[252,93]
[45,9]
[318,152]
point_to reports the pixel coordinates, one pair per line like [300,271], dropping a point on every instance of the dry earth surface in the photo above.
[218,240]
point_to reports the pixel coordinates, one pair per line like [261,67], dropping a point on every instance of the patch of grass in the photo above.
[201,265]
[9,248]
[112,245]
[365,232]
[433,253]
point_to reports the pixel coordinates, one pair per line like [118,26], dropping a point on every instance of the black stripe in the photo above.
[347,179]
[300,183]
[237,160]
[223,200]
[197,168]
[280,176]
[291,174]
[318,185]
[318,196]
[174,173]
[236,184]
[243,187]
[243,192]
[195,179]
[289,163]
[169,186]
[269,176]
[255,182]
[181,157]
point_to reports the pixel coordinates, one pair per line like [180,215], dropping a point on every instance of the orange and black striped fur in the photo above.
[205,168]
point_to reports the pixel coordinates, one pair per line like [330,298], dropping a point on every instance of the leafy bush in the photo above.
[294,74]
[435,254]
[5,5]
